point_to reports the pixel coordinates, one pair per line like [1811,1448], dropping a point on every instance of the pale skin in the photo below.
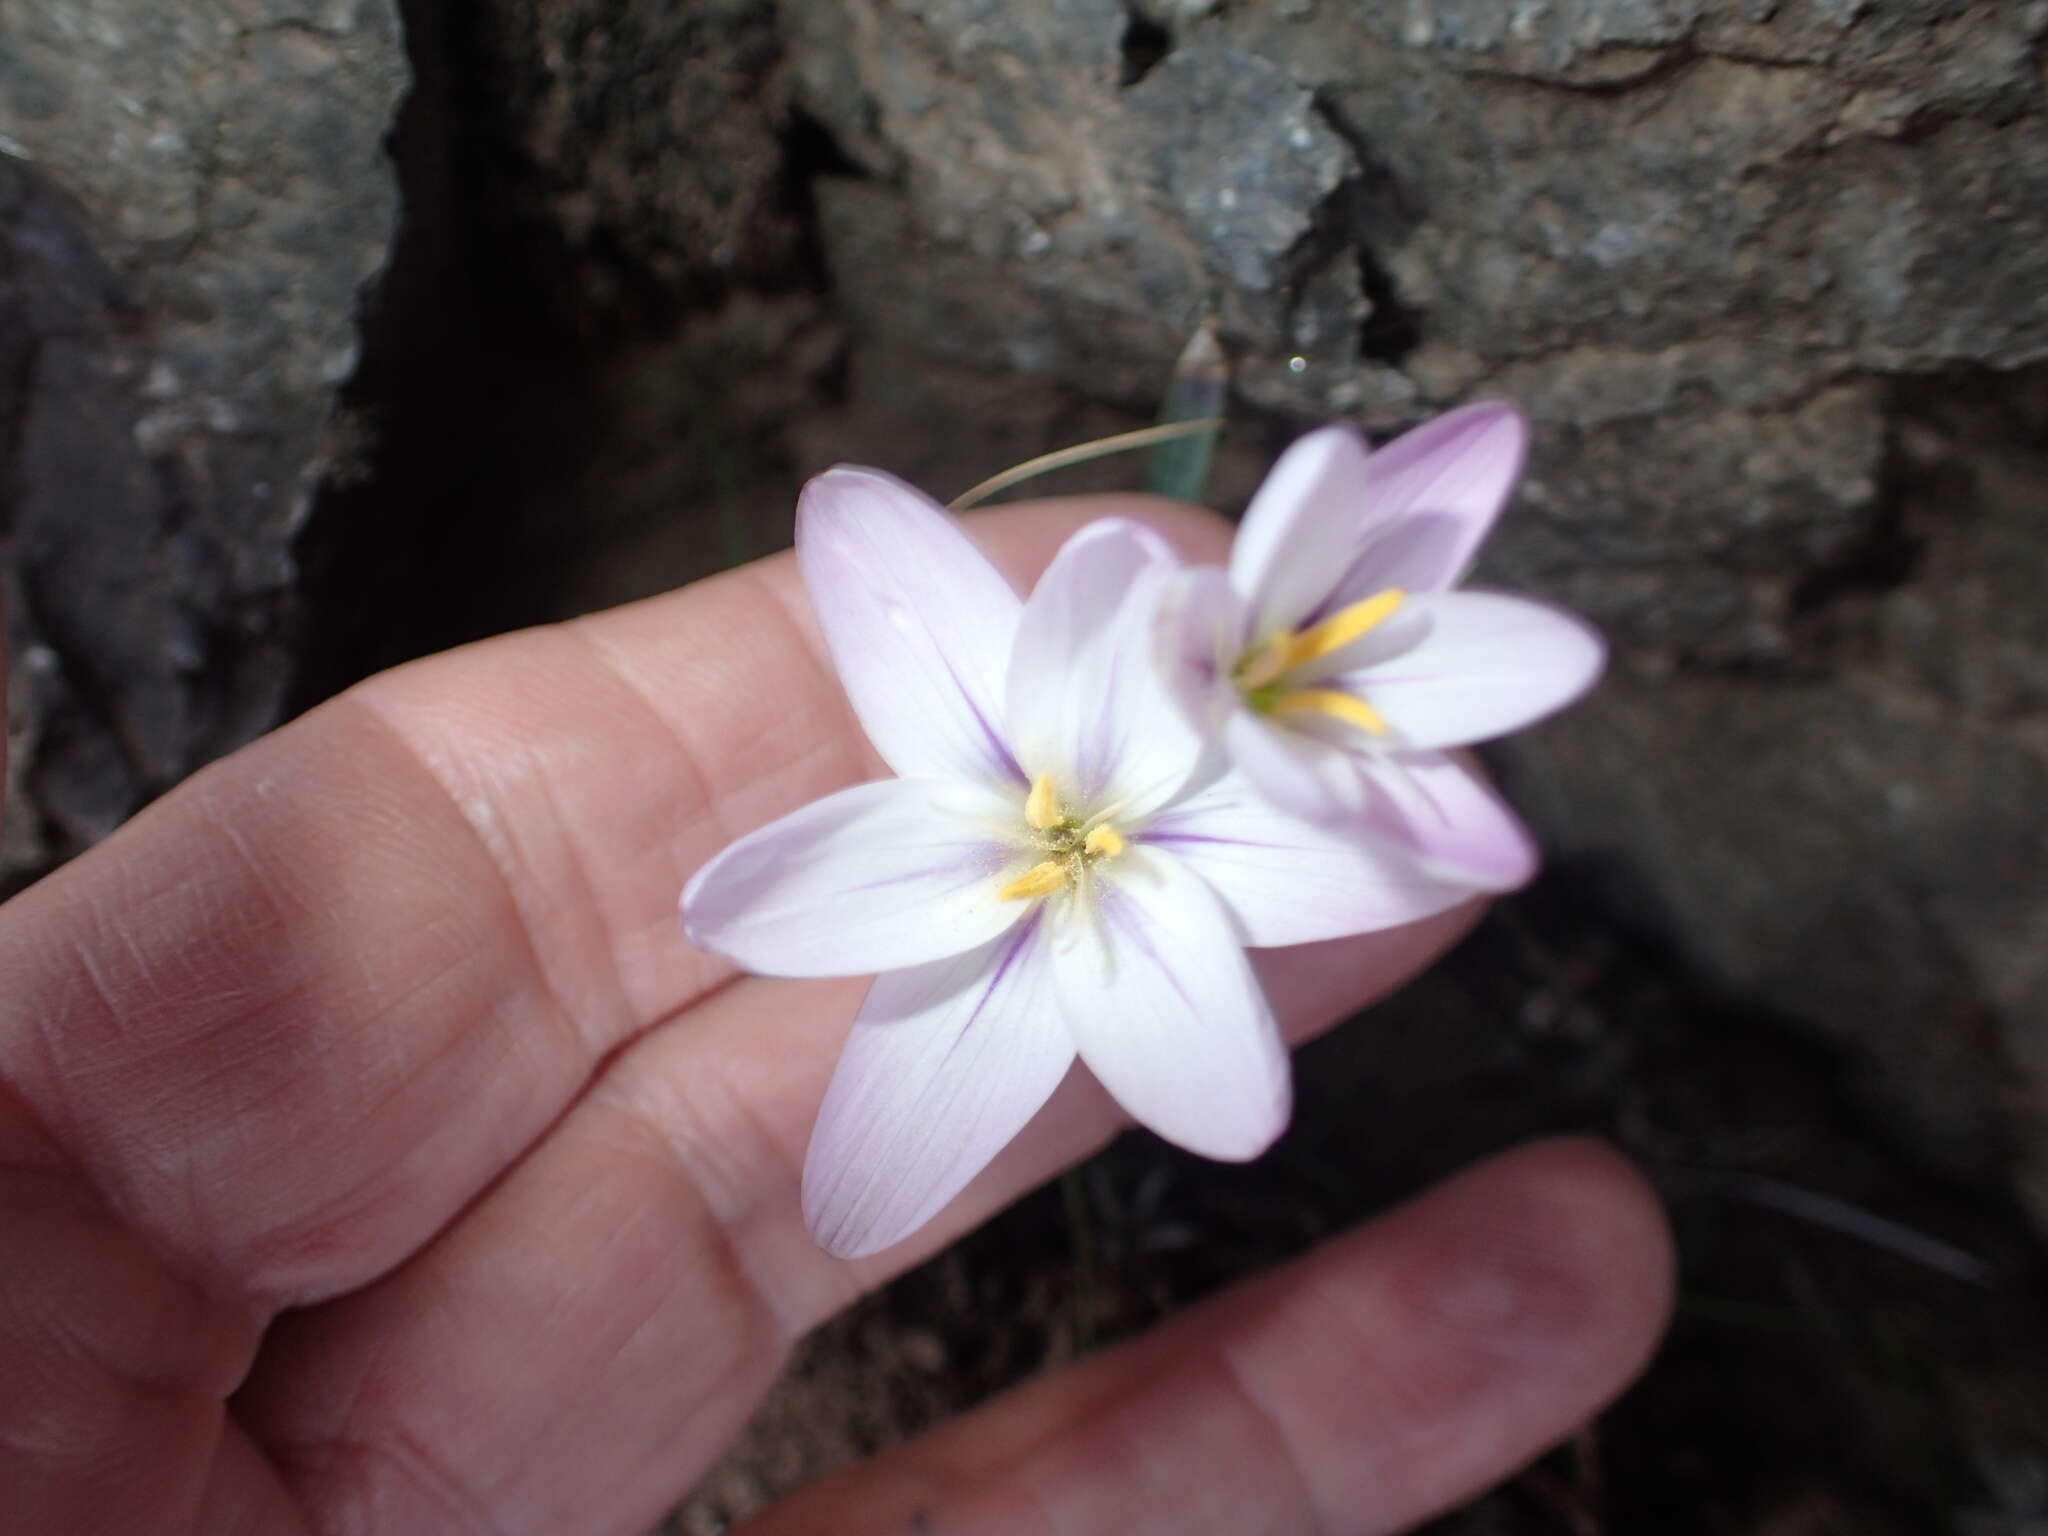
[377,1157]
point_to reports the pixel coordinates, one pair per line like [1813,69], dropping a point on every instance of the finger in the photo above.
[1383,1379]
[650,1259]
[297,1014]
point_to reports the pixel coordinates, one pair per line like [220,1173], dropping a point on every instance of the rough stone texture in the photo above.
[600,319]
[1008,133]
[646,137]
[191,197]
[1739,258]
[1861,842]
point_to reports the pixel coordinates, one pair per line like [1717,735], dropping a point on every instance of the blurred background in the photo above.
[337,331]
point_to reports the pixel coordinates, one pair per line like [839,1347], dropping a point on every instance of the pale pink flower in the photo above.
[1339,668]
[1059,869]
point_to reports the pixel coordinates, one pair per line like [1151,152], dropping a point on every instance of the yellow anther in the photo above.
[1039,880]
[1347,707]
[1285,653]
[1042,805]
[1343,627]
[1105,842]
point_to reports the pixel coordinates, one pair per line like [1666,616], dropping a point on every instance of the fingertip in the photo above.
[1459,1337]
[1556,1256]
[1367,1387]
[1604,1223]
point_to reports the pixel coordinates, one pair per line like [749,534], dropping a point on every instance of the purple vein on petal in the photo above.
[1113,911]
[904,877]
[1005,760]
[1095,758]
[1155,838]
[1018,939]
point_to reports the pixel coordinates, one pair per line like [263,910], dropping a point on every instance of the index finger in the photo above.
[297,1014]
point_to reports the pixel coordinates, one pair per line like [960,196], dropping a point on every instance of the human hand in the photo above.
[376,1157]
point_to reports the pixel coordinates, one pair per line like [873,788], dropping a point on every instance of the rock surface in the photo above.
[191,199]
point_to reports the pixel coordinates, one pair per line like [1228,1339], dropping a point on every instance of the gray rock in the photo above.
[191,200]
[1195,187]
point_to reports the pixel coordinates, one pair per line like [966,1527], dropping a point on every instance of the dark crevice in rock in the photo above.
[1371,210]
[1391,329]
[571,343]
[1667,66]
[462,329]
[1144,44]
[1882,557]
[1940,595]
[1941,428]
[811,151]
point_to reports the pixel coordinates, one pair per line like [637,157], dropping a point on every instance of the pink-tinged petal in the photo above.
[1296,771]
[919,623]
[1088,703]
[1449,821]
[1164,1008]
[1198,640]
[1435,493]
[946,1063]
[1288,881]
[873,878]
[1301,530]
[1487,665]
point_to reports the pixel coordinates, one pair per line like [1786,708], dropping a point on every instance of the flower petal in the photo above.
[1450,821]
[1164,1008]
[1435,493]
[1289,881]
[1301,530]
[945,1064]
[875,877]
[1488,664]
[1087,703]
[1199,636]
[919,623]
[1295,771]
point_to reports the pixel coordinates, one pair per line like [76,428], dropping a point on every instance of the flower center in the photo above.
[1263,674]
[1069,844]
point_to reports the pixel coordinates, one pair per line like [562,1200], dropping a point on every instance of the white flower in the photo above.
[1053,872]
[1337,665]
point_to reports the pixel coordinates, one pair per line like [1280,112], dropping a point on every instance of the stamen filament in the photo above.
[1107,813]
[1040,880]
[1348,708]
